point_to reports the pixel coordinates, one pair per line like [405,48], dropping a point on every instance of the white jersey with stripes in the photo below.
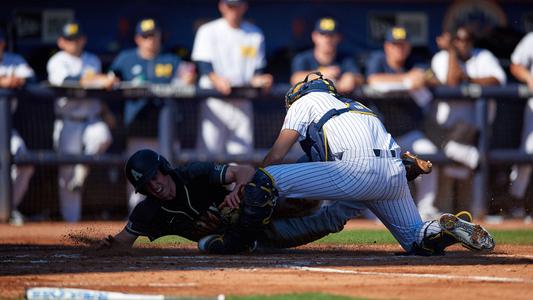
[348,131]
[366,173]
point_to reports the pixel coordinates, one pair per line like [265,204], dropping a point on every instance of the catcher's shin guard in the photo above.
[434,243]
[258,204]
[256,211]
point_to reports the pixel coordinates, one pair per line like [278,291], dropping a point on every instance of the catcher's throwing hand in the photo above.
[233,199]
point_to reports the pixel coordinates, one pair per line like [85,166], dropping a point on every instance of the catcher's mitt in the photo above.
[415,166]
[215,220]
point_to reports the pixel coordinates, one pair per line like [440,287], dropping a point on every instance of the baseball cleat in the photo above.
[465,216]
[471,236]
[211,244]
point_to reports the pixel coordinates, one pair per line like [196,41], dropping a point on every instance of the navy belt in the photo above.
[384,153]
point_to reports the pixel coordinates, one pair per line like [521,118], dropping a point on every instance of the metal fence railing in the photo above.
[47,157]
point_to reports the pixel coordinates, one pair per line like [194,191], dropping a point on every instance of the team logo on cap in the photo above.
[136,175]
[147,25]
[71,29]
[327,24]
[399,33]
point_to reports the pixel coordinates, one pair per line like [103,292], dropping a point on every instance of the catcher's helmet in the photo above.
[142,166]
[307,86]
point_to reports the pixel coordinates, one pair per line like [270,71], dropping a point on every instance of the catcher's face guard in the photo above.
[306,86]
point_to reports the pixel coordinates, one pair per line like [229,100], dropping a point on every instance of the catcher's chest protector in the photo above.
[315,144]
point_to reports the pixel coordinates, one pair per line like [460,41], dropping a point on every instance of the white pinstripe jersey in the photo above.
[348,131]
[359,179]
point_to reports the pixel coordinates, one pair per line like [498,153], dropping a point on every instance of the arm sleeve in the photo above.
[97,64]
[522,53]
[142,220]
[259,71]
[57,72]
[204,67]
[490,67]
[298,64]
[349,65]
[260,62]
[298,118]
[439,66]
[201,50]
[211,172]
[373,64]
[117,65]
[22,69]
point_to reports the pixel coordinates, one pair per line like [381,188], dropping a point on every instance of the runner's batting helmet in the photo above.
[143,165]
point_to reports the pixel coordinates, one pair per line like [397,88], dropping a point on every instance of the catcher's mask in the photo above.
[307,86]
[142,166]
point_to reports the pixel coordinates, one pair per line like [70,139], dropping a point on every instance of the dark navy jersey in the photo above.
[199,185]
[129,66]
[306,61]
[377,63]
[398,119]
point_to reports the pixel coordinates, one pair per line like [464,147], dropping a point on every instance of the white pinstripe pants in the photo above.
[377,182]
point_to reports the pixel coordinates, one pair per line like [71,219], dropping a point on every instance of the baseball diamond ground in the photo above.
[59,255]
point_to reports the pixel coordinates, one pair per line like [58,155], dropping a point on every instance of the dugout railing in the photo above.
[125,91]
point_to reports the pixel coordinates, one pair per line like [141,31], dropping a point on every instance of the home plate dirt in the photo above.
[63,255]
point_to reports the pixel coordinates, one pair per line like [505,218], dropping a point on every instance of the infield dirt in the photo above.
[61,255]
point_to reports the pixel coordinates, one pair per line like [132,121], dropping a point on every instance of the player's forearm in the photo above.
[286,139]
[455,73]
[485,81]
[272,159]
[125,238]
[384,78]
[348,82]
[239,174]
[520,72]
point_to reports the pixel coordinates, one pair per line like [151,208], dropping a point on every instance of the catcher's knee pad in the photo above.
[260,198]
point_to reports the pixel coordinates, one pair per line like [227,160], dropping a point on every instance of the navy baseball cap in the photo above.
[147,27]
[71,31]
[396,34]
[327,26]
[234,2]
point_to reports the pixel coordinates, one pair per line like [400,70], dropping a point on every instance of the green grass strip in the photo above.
[380,236]
[514,237]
